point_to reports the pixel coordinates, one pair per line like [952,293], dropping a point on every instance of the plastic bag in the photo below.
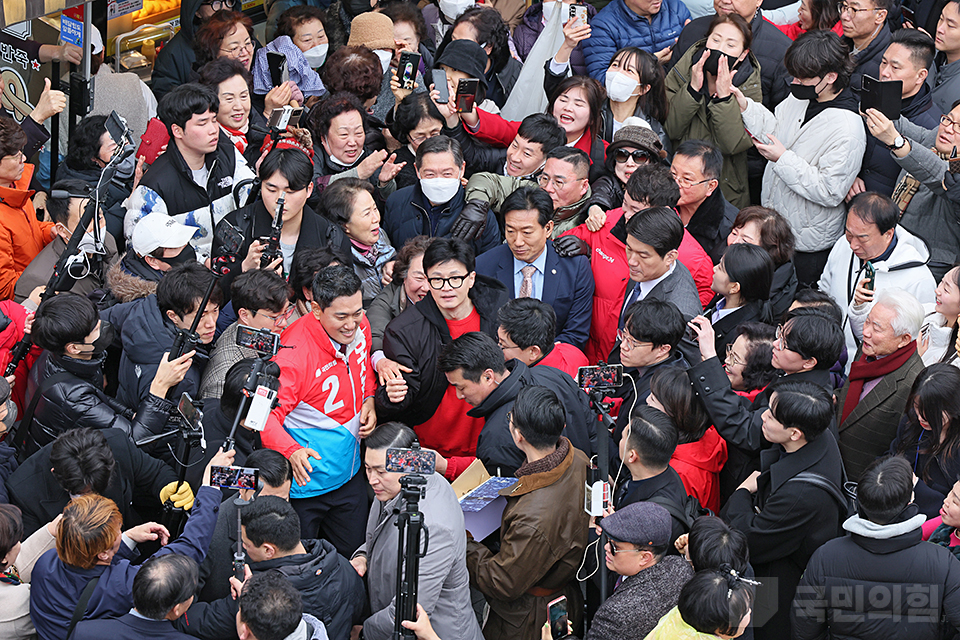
[528,96]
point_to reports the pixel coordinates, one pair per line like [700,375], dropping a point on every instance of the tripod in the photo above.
[603,469]
[410,522]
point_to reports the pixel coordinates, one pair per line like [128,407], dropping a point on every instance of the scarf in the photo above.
[861,371]
[941,536]
[907,186]
[10,576]
[547,463]
[237,137]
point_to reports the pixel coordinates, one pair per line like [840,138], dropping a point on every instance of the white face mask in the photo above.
[620,86]
[453,8]
[385,58]
[438,190]
[317,55]
[88,244]
[549,8]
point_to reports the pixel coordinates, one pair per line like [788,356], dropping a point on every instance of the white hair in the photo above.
[908,312]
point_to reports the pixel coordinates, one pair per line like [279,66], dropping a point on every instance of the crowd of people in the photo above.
[708,198]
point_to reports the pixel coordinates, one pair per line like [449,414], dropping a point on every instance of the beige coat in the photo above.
[15,599]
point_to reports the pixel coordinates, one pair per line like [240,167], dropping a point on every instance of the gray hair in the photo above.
[907,309]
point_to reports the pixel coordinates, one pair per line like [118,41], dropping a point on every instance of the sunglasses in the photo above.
[639,157]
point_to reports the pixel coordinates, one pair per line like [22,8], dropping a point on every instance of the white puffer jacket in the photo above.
[809,182]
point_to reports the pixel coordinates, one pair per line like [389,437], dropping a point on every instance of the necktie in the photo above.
[526,287]
[633,297]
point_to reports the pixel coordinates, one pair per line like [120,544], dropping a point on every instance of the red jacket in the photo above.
[9,337]
[565,357]
[794,31]
[608,260]
[698,464]
[22,237]
[496,131]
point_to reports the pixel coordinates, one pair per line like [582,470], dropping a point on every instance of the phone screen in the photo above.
[601,377]
[234,477]
[411,461]
[557,611]
[407,69]
[467,94]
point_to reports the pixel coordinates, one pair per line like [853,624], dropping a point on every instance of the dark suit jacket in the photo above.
[128,627]
[567,287]
[726,327]
[678,288]
[137,479]
[868,431]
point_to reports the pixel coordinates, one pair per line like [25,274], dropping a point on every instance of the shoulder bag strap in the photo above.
[81,607]
[23,429]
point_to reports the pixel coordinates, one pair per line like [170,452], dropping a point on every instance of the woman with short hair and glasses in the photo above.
[929,210]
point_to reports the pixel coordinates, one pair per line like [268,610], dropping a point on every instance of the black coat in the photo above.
[217,566]
[254,221]
[785,522]
[116,192]
[136,481]
[78,401]
[495,446]
[607,193]
[127,627]
[711,223]
[868,61]
[415,338]
[666,485]
[726,327]
[884,562]
[783,289]
[936,476]
[175,60]
[478,156]
[769,46]
[737,420]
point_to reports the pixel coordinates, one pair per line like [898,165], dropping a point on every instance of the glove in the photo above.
[471,222]
[951,184]
[182,498]
[571,247]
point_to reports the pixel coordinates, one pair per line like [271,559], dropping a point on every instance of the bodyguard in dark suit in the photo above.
[162,592]
[787,518]
[105,460]
[529,267]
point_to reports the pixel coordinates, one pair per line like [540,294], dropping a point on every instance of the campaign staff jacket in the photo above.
[321,392]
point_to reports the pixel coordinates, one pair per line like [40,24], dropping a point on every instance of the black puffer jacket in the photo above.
[78,401]
[881,581]
[495,446]
[415,338]
[330,587]
[175,61]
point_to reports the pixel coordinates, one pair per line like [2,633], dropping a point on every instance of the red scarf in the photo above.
[237,137]
[861,371]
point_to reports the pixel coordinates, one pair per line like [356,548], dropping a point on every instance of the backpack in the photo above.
[846,498]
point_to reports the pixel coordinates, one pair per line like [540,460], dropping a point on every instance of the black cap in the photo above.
[466,56]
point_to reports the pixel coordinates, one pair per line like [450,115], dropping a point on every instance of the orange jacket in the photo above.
[22,237]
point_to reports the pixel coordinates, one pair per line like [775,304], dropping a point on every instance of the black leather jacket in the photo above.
[78,400]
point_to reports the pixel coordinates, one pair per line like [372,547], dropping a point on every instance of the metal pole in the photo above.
[54,126]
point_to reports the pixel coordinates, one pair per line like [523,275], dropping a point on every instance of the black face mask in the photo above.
[100,345]
[187,254]
[356,7]
[804,91]
[712,63]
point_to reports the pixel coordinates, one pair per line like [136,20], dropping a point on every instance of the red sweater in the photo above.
[450,431]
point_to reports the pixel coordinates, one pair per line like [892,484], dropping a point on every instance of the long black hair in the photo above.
[933,396]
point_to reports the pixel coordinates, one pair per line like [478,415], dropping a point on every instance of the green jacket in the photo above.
[717,121]
[494,188]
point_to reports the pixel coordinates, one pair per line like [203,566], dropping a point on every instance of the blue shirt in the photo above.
[536,280]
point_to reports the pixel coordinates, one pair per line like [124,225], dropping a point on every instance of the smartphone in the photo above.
[885,97]
[153,140]
[116,127]
[608,376]
[285,117]
[467,90]
[762,139]
[190,412]
[870,274]
[440,84]
[557,614]
[411,461]
[234,477]
[277,63]
[407,69]
[260,340]
[578,13]
[908,15]
[229,237]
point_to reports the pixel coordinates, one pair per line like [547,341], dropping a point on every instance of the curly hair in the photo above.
[355,70]
[415,246]
[86,142]
[323,114]
[12,137]
[207,40]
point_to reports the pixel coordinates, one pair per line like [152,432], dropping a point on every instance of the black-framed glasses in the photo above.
[949,124]
[216,5]
[455,282]
[639,157]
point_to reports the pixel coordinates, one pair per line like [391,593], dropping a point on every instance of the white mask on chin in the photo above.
[316,55]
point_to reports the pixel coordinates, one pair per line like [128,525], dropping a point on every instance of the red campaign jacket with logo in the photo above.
[321,393]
